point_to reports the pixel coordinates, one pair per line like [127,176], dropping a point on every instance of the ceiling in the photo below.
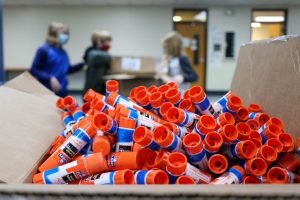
[256,3]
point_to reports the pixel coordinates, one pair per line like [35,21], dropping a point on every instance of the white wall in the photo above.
[219,76]
[135,30]
[294,20]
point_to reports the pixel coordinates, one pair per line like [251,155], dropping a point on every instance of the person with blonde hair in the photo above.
[98,61]
[175,66]
[51,63]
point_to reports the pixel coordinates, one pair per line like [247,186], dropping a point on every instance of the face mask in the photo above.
[63,38]
[105,47]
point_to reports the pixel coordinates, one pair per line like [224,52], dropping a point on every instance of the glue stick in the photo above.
[155,176]
[144,137]
[124,136]
[234,175]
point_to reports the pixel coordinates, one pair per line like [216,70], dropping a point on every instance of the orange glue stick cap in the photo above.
[124,177]
[254,125]
[287,142]
[152,88]
[176,163]
[229,133]
[276,121]
[252,180]
[143,136]
[157,176]
[212,142]
[289,161]
[271,131]
[276,144]
[197,94]
[101,144]
[165,107]
[244,131]
[192,143]
[246,149]
[59,103]
[163,89]
[173,96]
[156,99]
[225,118]
[142,97]
[234,103]
[254,108]
[242,114]
[89,95]
[269,154]
[217,164]
[69,103]
[185,180]
[112,86]
[161,159]
[256,166]
[277,175]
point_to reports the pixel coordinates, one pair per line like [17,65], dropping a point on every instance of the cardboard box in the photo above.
[267,73]
[132,65]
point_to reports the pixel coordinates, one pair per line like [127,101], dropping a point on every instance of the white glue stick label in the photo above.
[104,179]
[227,178]
[196,174]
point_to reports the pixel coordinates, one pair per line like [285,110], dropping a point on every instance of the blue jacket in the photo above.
[189,74]
[52,61]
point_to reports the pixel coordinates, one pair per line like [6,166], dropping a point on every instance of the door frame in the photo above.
[285,23]
[206,31]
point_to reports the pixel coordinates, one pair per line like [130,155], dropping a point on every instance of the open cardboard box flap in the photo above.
[267,73]
[29,123]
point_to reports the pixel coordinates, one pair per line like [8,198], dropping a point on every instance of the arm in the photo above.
[76,67]
[37,68]
[189,75]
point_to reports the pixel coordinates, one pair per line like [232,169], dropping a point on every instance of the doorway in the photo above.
[192,25]
[267,24]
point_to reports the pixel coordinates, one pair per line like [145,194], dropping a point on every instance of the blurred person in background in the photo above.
[175,66]
[51,63]
[97,58]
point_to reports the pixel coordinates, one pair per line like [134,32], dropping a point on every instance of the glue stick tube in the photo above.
[70,103]
[229,133]
[155,176]
[144,137]
[180,131]
[75,170]
[166,139]
[181,117]
[142,98]
[217,164]
[156,100]
[212,143]
[101,144]
[150,160]
[288,161]
[242,150]
[188,106]
[67,119]
[254,166]
[164,108]
[124,136]
[244,131]
[242,114]
[221,103]
[173,96]
[91,94]
[270,131]
[105,123]
[261,118]
[111,86]
[204,125]
[194,149]
[254,108]
[254,125]
[225,118]
[232,105]
[177,165]
[287,142]
[276,144]
[251,179]
[71,146]
[78,114]
[234,175]
[269,154]
[185,180]
[200,100]
[110,178]
[125,160]
[278,175]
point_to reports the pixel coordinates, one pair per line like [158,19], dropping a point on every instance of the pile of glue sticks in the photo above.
[159,136]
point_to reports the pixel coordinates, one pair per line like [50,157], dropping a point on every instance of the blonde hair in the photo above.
[172,44]
[100,35]
[53,31]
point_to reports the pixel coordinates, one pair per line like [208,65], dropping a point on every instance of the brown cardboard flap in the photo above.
[29,123]
[268,73]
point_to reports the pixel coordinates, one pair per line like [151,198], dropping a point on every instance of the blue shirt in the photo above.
[52,61]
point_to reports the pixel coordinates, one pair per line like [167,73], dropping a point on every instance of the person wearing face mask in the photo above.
[175,66]
[51,63]
[98,59]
